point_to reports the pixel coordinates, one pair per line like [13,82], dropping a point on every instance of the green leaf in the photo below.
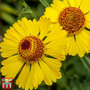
[26,10]
[7,18]
[18,89]
[40,10]
[85,64]
[76,84]
[86,83]
[5,27]
[45,3]
[41,88]
[79,67]
[9,9]
[0,83]
[87,59]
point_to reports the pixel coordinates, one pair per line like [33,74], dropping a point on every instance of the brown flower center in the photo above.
[31,49]
[72,19]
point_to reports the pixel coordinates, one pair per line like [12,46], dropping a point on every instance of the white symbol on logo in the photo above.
[6,83]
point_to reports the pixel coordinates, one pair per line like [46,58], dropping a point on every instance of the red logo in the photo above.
[6,83]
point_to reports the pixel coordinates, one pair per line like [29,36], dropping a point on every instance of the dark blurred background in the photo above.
[75,70]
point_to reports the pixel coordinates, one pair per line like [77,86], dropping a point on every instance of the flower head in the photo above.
[33,52]
[74,17]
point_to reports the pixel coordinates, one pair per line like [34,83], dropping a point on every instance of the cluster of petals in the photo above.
[34,50]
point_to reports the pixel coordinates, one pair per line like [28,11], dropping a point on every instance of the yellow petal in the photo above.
[39,73]
[85,6]
[35,77]
[9,43]
[57,48]
[10,60]
[88,24]
[84,43]
[34,28]
[80,49]
[53,63]
[12,69]
[66,3]
[18,26]
[12,35]
[8,53]
[23,76]
[44,25]
[8,48]
[52,13]
[26,26]
[60,5]
[71,46]
[38,76]
[46,73]
[88,17]
[29,83]
[55,34]
[49,73]
[56,44]
[75,3]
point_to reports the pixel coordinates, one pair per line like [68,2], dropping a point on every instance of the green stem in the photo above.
[85,64]
[79,84]
[25,5]
[87,60]
[45,3]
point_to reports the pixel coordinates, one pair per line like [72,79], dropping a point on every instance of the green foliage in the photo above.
[7,18]
[75,70]
[44,2]
[8,9]
[25,11]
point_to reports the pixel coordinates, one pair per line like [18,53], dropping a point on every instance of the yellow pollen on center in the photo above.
[72,19]
[31,49]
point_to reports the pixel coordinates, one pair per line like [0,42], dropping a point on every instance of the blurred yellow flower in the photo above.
[74,17]
[32,52]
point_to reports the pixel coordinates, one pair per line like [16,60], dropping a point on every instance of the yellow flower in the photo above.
[74,17]
[33,52]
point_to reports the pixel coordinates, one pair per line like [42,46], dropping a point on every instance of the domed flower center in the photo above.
[31,49]
[72,19]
